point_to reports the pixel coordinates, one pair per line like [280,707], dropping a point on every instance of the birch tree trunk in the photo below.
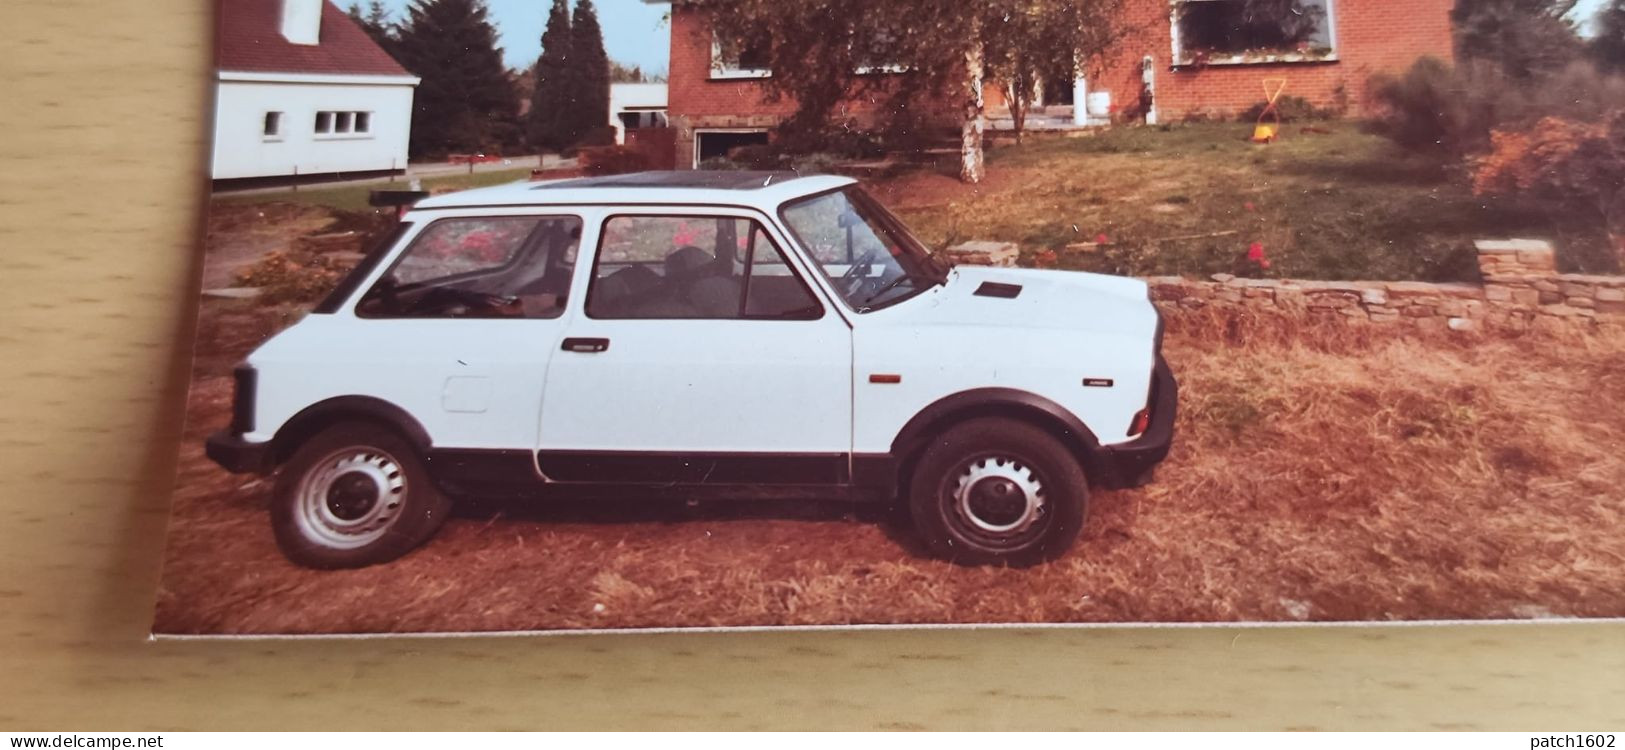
[970,146]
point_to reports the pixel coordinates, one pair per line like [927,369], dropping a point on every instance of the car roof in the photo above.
[761,190]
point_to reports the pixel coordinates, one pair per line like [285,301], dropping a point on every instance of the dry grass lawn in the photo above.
[1330,203]
[1318,475]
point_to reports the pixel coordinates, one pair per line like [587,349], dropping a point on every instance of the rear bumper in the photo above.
[1131,464]
[237,455]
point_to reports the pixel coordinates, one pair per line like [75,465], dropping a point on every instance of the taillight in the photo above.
[1141,423]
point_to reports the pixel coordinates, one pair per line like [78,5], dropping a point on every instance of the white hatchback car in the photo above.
[699,332]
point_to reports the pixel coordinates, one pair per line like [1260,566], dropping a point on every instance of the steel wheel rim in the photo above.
[351,497]
[997,498]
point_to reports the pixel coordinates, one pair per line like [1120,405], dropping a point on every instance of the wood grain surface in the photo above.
[103,115]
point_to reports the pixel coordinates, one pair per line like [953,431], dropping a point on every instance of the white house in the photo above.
[302,90]
[636,105]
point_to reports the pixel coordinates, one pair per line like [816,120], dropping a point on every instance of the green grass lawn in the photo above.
[354,197]
[1190,199]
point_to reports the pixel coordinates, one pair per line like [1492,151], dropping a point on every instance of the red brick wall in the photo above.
[692,93]
[690,90]
[1372,36]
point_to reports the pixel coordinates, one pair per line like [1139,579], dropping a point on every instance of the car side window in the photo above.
[694,267]
[480,267]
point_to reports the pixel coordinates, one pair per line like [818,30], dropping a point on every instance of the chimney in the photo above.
[302,21]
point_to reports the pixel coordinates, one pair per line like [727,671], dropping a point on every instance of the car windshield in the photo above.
[867,254]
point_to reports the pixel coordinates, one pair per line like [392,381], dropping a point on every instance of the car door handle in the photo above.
[585,346]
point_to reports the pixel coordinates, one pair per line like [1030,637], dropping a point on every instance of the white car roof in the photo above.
[761,190]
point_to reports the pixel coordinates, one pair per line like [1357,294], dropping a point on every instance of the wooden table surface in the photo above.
[103,119]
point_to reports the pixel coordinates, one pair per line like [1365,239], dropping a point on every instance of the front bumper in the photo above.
[237,455]
[1131,464]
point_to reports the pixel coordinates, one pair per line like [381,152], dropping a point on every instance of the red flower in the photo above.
[683,236]
[1102,239]
[482,246]
[1249,206]
[1255,253]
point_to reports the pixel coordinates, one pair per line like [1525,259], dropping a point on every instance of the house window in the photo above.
[343,123]
[747,58]
[1234,32]
[271,128]
[874,53]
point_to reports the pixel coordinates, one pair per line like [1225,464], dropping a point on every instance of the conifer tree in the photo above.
[553,99]
[1524,38]
[465,102]
[1608,45]
[375,21]
[590,63]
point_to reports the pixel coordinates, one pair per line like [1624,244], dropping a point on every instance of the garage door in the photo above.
[717,145]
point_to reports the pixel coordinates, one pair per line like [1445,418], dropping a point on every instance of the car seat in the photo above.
[617,293]
[684,266]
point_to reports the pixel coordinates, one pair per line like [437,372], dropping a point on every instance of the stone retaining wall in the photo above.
[1521,289]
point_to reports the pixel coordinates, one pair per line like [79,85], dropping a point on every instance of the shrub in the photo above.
[597,160]
[1431,107]
[1560,161]
[843,140]
[721,164]
[816,163]
[288,277]
[603,135]
[1291,109]
[1452,111]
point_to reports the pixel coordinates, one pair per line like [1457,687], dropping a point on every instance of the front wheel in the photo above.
[998,492]
[354,495]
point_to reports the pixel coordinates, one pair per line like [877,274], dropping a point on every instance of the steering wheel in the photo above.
[468,300]
[858,272]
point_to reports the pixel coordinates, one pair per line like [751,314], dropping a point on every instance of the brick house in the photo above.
[1194,56]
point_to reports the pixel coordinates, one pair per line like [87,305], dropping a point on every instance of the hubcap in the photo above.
[999,496]
[351,497]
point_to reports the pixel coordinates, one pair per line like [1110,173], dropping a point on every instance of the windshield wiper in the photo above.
[890,285]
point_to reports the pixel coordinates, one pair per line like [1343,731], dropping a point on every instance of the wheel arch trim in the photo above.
[304,424]
[1005,402]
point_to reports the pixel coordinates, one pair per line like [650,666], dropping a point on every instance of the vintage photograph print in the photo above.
[625,314]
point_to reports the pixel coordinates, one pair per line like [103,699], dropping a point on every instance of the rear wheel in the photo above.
[354,495]
[998,492]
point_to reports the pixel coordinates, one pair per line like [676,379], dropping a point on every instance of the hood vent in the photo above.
[995,289]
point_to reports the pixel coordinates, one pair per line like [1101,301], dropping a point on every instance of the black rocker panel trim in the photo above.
[874,471]
[476,469]
[636,467]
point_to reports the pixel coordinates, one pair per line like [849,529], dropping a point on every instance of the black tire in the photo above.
[355,494]
[972,494]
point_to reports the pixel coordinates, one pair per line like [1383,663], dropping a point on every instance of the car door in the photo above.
[459,328]
[701,355]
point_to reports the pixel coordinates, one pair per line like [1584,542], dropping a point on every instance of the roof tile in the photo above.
[250,40]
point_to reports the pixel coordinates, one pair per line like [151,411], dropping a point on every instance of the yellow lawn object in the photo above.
[1267,132]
